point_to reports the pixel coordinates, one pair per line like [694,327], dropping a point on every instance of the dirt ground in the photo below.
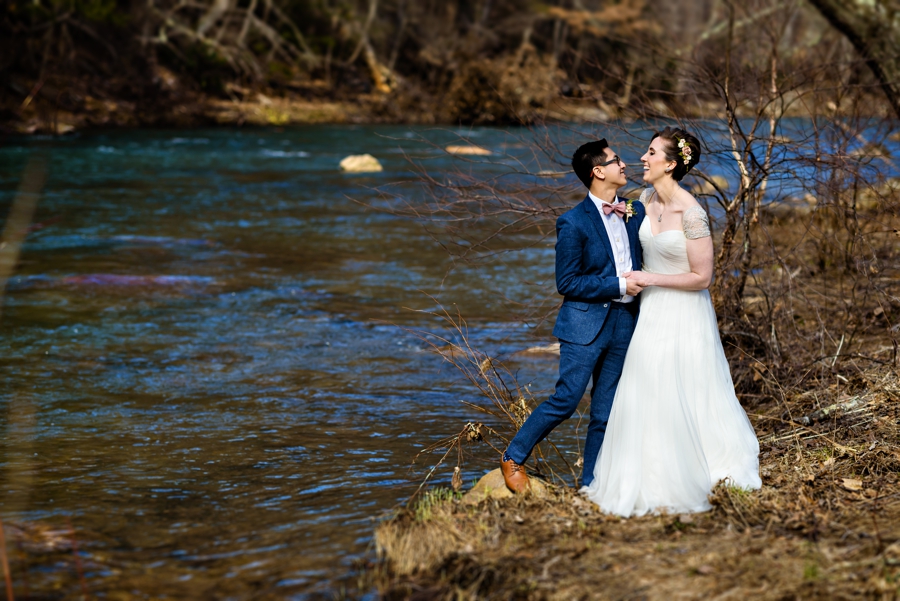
[825,525]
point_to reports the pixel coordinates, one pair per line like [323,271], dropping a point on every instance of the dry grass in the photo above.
[425,545]
[826,525]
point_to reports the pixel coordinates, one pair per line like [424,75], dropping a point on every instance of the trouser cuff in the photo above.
[513,453]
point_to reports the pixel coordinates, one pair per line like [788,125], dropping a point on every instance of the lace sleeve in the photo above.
[695,223]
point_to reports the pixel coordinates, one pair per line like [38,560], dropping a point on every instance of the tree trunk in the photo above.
[872,28]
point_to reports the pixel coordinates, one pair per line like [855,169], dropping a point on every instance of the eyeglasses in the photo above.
[615,160]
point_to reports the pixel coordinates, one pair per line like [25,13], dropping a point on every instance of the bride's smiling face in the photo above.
[655,162]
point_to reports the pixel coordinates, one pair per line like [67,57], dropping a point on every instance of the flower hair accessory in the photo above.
[684,151]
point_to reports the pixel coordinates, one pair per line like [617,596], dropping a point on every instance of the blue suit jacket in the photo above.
[586,269]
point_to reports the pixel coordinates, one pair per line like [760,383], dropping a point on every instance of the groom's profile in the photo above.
[596,243]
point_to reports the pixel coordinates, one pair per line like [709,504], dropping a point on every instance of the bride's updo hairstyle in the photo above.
[681,147]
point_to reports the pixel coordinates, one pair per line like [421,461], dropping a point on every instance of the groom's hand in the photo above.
[632,288]
[636,279]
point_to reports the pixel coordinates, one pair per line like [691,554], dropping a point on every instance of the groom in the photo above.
[596,243]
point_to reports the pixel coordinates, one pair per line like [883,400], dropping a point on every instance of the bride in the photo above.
[676,426]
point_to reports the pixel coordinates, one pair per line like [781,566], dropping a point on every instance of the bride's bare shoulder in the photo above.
[646,195]
[686,200]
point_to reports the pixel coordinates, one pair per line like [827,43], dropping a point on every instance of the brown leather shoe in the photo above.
[514,475]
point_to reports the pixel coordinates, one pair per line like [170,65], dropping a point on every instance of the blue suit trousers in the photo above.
[599,362]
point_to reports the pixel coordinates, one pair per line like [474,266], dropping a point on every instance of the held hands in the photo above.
[637,280]
[632,288]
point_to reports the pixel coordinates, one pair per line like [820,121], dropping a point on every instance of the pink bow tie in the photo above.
[619,208]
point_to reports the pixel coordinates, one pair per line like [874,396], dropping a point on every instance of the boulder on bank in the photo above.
[467,149]
[551,173]
[550,349]
[361,163]
[790,205]
[704,187]
[492,486]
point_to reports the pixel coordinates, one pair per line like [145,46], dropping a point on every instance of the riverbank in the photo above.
[87,112]
[68,105]
[826,525]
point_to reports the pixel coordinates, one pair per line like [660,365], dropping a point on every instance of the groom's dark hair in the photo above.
[587,157]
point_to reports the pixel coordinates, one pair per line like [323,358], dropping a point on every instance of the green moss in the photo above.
[811,571]
[424,508]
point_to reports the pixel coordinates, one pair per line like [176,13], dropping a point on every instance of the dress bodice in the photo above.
[666,252]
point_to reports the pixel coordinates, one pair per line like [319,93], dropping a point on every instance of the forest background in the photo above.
[66,64]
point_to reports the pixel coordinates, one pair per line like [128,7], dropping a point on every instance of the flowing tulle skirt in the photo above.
[676,426]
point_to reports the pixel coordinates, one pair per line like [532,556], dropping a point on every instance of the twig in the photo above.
[6,574]
[78,568]
[838,353]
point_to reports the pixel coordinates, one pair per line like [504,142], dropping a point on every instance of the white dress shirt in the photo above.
[618,239]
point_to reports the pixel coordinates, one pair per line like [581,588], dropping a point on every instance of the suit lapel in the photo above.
[633,225]
[594,215]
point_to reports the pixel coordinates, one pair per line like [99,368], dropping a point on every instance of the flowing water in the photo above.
[203,370]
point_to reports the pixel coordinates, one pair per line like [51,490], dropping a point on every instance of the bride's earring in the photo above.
[669,170]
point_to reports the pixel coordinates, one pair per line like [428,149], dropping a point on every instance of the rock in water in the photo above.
[361,163]
[468,150]
[492,486]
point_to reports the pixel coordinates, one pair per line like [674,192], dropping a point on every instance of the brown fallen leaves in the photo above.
[825,525]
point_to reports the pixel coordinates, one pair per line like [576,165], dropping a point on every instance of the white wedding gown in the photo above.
[676,426]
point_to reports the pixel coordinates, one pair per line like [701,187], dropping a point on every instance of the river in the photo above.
[205,365]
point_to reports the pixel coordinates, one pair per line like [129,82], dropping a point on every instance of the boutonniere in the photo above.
[629,209]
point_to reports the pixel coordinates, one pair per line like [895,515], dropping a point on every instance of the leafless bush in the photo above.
[802,189]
